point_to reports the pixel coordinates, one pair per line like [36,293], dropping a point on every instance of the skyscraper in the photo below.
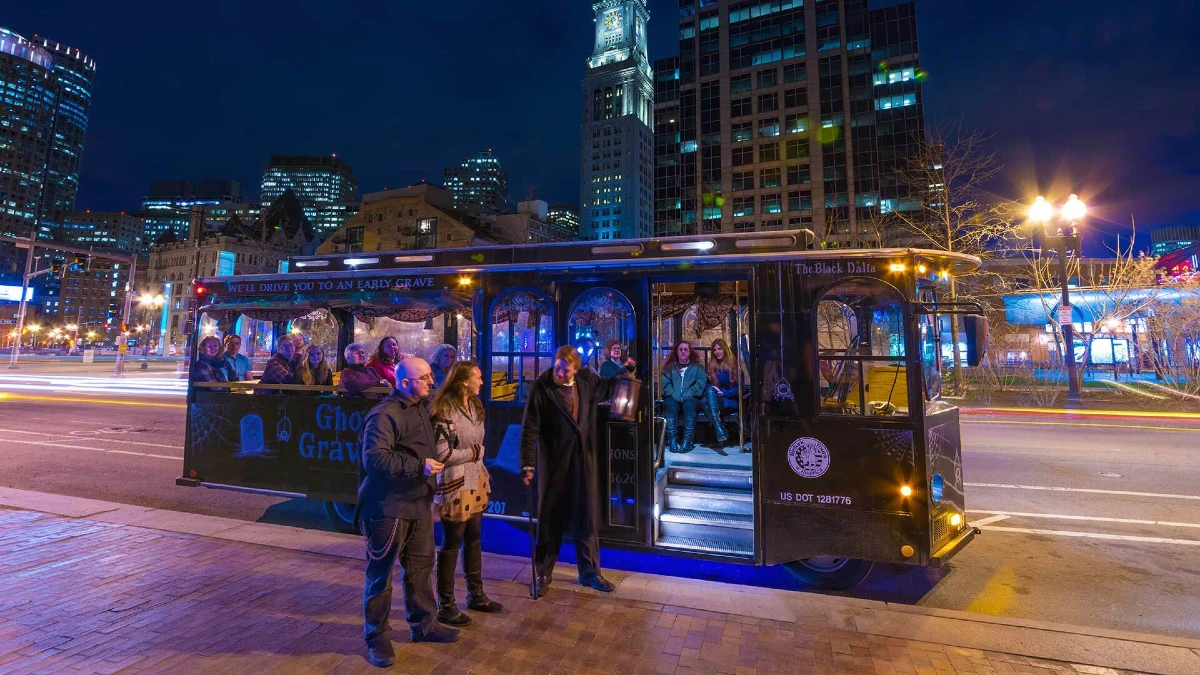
[618,146]
[479,184]
[43,116]
[785,114]
[325,186]
[76,74]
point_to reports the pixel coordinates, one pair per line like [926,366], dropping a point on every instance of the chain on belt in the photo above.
[373,555]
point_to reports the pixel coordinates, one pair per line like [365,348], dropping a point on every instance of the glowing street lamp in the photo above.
[1062,243]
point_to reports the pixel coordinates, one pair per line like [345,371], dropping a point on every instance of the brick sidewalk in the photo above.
[88,596]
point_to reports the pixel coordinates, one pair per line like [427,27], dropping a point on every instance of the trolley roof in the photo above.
[591,256]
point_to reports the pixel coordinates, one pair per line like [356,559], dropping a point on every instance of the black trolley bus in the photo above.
[840,449]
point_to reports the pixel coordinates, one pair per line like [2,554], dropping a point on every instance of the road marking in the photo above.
[1098,519]
[74,438]
[1084,424]
[1051,488]
[1096,535]
[989,520]
[142,454]
[80,447]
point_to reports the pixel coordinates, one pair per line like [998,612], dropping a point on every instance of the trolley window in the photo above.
[522,342]
[598,317]
[861,350]
[419,332]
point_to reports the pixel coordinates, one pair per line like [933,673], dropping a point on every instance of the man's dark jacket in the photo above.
[548,420]
[397,438]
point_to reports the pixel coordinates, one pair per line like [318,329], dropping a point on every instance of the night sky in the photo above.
[1097,97]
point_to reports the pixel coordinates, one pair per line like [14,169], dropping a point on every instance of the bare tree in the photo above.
[1121,290]
[944,205]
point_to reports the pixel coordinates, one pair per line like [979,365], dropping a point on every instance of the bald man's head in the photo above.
[414,377]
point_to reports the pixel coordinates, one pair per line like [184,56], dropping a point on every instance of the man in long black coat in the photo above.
[558,437]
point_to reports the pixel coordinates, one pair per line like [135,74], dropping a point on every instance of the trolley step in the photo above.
[706,476]
[706,546]
[735,528]
[710,499]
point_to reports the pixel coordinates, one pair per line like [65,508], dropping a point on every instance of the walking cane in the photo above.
[532,552]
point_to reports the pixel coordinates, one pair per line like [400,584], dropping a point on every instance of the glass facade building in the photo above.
[168,206]
[616,194]
[46,92]
[479,184]
[566,217]
[324,185]
[782,114]
[1171,238]
[103,231]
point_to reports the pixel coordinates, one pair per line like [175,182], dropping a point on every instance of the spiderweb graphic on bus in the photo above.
[897,445]
[939,448]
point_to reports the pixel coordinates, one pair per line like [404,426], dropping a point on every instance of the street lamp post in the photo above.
[149,302]
[1062,243]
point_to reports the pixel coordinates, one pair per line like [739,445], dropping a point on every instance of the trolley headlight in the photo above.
[905,491]
[955,519]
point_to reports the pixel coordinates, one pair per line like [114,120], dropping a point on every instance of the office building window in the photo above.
[767,78]
[743,206]
[742,131]
[743,156]
[740,107]
[797,149]
[769,178]
[739,84]
[795,123]
[768,128]
[795,72]
[795,98]
[743,181]
[768,152]
[768,102]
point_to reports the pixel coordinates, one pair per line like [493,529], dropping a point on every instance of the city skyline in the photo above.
[1045,112]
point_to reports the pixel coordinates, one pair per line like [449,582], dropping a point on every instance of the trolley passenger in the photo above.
[356,378]
[724,385]
[281,366]
[237,365]
[440,361]
[683,385]
[313,370]
[463,490]
[387,355]
[209,366]
[613,364]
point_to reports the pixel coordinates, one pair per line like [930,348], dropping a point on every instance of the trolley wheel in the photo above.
[829,572]
[341,516]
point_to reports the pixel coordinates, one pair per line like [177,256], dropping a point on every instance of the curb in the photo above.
[1023,637]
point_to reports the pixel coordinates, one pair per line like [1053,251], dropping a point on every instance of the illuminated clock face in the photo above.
[612,20]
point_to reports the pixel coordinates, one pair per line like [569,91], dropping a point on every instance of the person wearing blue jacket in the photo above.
[683,385]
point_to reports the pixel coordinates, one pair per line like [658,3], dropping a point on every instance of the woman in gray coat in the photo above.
[683,385]
[462,491]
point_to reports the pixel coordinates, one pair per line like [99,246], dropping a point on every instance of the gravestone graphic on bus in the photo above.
[252,436]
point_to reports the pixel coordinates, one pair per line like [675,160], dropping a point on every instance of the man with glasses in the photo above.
[396,473]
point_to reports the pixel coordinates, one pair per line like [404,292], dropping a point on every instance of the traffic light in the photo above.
[56,269]
[77,264]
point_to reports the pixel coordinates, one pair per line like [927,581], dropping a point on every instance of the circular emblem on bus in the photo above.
[809,457]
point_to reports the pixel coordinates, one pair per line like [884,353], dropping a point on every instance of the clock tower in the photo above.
[618,144]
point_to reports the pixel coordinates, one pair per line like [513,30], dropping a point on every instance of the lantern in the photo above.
[625,399]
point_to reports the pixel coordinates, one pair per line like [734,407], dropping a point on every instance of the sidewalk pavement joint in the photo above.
[205,541]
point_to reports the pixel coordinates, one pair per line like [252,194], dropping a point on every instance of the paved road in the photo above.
[1094,523]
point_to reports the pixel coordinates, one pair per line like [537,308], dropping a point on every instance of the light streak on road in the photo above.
[93,385]
[7,396]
